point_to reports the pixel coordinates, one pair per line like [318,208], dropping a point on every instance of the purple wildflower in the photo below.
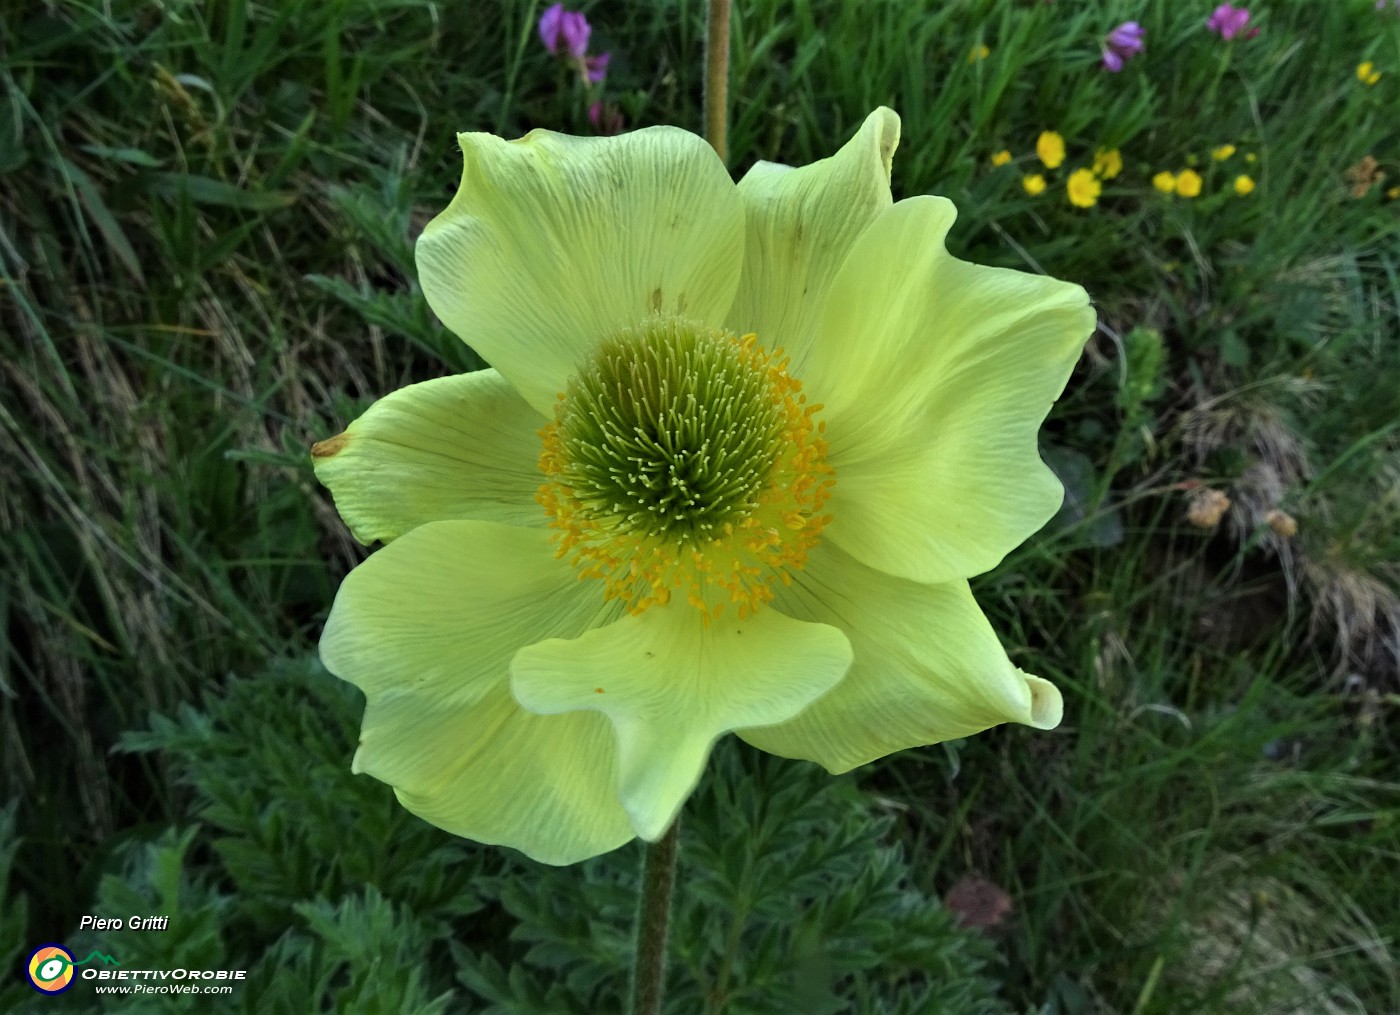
[1128,36]
[1122,44]
[596,67]
[570,28]
[1229,22]
[608,119]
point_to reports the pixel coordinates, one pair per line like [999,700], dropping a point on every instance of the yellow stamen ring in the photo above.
[685,461]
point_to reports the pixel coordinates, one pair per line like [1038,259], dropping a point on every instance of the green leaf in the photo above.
[103,218]
[207,190]
[1144,357]
[1081,509]
[1234,350]
[133,155]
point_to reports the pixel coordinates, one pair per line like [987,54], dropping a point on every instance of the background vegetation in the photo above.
[207,214]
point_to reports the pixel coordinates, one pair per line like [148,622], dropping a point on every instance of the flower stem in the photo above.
[717,78]
[649,969]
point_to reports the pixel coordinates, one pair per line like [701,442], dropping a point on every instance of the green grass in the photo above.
[206,223]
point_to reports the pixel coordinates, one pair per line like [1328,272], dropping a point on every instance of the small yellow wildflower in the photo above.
[980,52]
[1083,188]
[1393,193]
[1051,149]
[1222,153]
[1367,74]
[1034,184]
[1108,163]
[1188,183]
[1243,185]
[1001,158]
[1165,182]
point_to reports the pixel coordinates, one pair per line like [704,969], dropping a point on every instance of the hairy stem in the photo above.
[658,877]
[717,78]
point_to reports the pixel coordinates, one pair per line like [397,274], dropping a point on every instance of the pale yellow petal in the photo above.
[555,242]
[936,375]
[465,446]
[426,627]
[671,685]
[801,224]
[927,668]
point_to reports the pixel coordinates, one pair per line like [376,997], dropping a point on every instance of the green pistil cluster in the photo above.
[670,430]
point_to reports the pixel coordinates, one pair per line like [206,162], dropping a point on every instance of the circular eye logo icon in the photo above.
[51,969]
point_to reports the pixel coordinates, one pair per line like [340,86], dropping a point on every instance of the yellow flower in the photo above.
[1222,153]
[979,52]
[1108,163]
[1001,158]
[1083,188]
[646,527]
[1034,184]
[1393,193]
[1165,182]
[1367,74]
[1188,183]
[1051,149]
[1243,185]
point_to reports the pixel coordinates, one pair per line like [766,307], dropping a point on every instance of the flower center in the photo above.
[685,460]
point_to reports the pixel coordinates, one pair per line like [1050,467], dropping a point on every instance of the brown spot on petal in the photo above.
[330,446]
[656,299]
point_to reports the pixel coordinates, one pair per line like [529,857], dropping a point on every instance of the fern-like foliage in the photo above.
[790,897]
